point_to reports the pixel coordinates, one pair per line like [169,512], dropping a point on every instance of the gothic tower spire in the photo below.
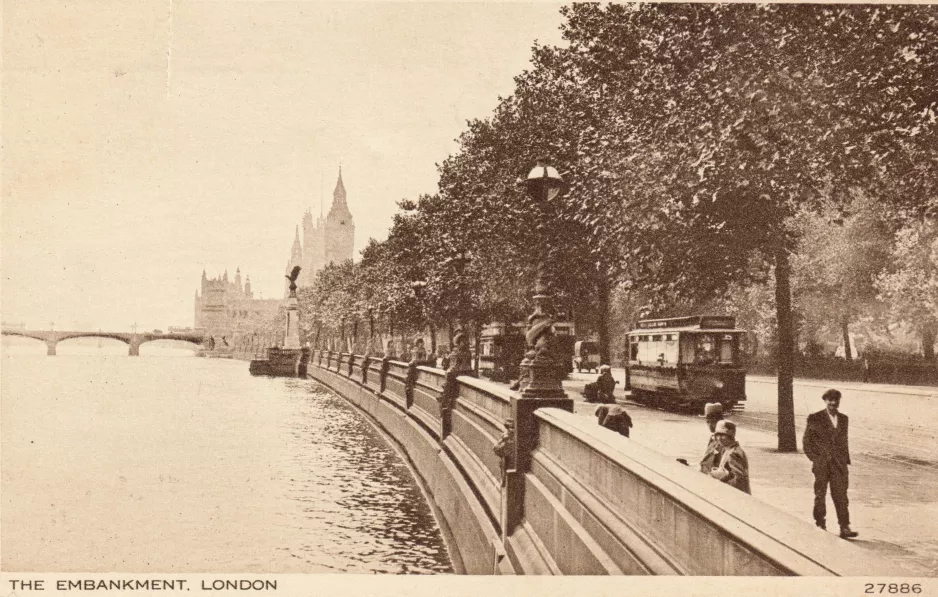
[340,227]
[338,195]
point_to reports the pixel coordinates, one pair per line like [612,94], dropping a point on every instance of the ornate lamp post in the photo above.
[540,374]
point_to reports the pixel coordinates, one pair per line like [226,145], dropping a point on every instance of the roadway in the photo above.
[886,421]
[894,477]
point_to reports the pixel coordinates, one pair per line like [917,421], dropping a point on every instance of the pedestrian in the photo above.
[826,445]
[420,352]
[614,417]
[714,414]
[733,466]
[605,385]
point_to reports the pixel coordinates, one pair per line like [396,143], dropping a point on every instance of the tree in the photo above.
[747,114]
[842,251]
[910,285]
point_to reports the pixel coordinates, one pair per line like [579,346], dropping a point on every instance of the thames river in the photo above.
[171,463]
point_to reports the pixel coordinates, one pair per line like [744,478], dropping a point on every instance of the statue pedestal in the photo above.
[291,336]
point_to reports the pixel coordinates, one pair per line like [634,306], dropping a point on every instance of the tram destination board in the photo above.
[719,322]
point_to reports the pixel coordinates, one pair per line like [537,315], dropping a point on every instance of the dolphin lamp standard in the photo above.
[539,366]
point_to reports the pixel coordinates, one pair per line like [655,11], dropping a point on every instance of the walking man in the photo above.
[825,444]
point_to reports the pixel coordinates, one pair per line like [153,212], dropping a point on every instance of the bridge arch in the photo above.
[20,334]
[120,337]
[197,341]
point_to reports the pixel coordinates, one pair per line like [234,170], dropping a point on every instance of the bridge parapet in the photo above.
[589,502]
[52,338]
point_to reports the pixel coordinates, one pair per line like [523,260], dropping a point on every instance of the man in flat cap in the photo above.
[714,414]
[825,444]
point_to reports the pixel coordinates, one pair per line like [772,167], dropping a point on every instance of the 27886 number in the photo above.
[893,588]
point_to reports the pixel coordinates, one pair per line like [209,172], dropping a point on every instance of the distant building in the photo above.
[226,308]
[329,239]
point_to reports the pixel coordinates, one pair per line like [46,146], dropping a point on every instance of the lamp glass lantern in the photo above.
[543,182]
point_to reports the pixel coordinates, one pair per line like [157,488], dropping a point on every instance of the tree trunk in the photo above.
[928,342]
[432,340]
[602,322]
[845,330]
[787,441]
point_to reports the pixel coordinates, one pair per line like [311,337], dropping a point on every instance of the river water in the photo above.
[166,462]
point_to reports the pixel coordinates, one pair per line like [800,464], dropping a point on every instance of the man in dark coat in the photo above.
[714,414]
[825,444]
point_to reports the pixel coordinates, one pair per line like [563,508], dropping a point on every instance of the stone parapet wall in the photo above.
[589,502]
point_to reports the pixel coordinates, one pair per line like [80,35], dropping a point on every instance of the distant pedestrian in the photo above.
[605,385]
[826,445]
[714,414]
[614,417]
[733,466]
[420,352]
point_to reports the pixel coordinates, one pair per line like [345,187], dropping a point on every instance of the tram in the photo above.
[681,363]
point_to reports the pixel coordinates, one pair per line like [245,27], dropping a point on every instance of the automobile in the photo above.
[586,355]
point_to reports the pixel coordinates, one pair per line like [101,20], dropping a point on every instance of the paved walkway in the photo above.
[894,504]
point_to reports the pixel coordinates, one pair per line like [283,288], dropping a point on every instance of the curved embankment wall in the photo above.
[581,499]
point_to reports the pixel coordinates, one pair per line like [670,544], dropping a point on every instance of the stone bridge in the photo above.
[572,498]
[133,340]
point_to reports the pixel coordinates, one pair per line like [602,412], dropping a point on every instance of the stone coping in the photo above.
[495,390]
[780,536]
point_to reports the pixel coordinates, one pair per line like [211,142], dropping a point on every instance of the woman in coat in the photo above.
[733,466]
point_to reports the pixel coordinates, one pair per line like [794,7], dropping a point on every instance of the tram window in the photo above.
[705,351]
[633,349]
[646,350]
[726,349]
[670,349]
[687,348]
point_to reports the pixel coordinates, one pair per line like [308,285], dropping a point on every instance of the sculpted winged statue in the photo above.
[292,277]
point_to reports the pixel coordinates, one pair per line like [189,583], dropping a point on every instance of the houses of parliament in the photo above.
[327,240]
[228,308]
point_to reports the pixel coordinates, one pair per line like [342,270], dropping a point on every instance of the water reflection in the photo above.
[358,492]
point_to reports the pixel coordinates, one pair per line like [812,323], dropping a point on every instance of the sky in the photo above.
[143,145]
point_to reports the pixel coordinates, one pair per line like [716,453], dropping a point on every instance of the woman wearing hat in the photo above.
[733,467]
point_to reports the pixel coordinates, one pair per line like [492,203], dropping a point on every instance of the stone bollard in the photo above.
[512,509]
[383,380]
[410,382]
[460,363]
[366,362]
